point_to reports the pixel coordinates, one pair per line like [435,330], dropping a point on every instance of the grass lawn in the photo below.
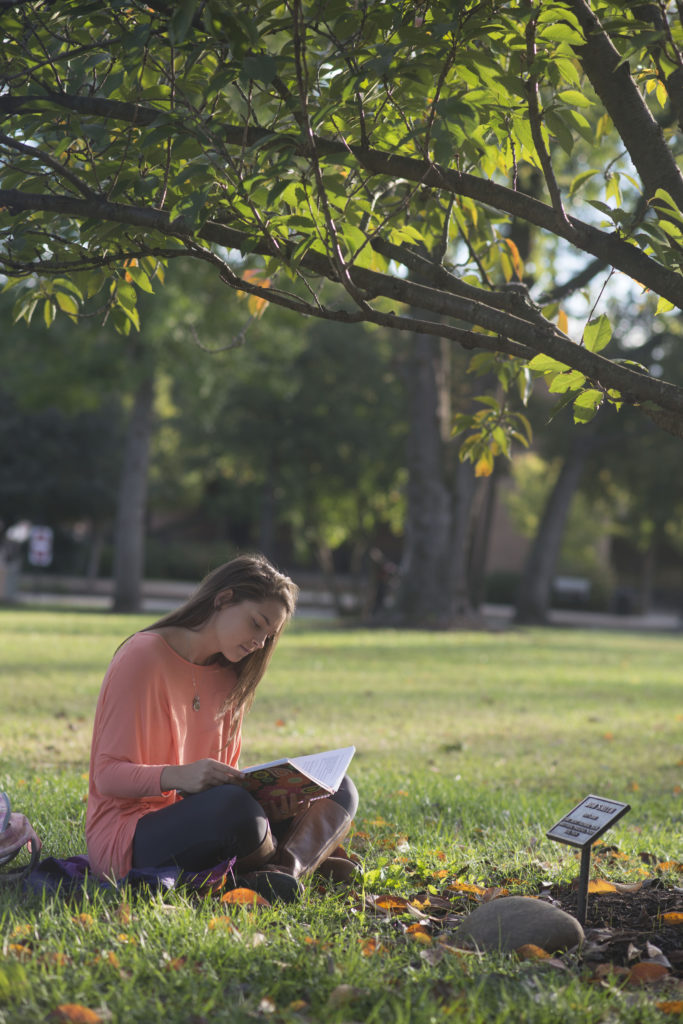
[469,747]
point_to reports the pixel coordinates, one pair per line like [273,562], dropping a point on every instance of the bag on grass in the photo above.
[15,834]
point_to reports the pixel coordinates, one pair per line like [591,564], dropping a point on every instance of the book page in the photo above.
[327,768]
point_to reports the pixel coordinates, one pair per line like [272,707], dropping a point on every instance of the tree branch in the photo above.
[604,246]
[535,121]
[516,336]
[49,161]
[638,129]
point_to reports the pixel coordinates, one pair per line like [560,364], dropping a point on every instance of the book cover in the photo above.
[310,777]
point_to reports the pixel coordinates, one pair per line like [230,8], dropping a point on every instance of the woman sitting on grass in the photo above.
[165,788]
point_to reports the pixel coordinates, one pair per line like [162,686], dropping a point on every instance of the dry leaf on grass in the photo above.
[531,952]
[494,892]
[672,1006]
[244,898]
[388,904]
[75,1013]
[609,972]
[435,908]
[599,885]
[473,890]
[371,946]
[20,949]
[419,933]
[647,972]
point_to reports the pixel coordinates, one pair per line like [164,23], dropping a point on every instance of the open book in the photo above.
[311,776]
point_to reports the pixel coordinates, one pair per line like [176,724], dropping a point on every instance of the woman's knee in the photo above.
[241,817]
[347,796]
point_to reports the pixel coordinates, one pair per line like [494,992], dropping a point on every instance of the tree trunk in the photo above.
[646,582]
[129,541]
[533,599]
[325,560]
[481,536]
[460,611]
[94,555]
[267,513]
[423,596]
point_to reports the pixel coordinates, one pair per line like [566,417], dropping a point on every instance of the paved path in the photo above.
[162,597]
[657,621]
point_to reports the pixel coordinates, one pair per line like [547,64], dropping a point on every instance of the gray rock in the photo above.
[507,923]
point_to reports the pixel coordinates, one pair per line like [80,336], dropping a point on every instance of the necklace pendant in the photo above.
[195,703]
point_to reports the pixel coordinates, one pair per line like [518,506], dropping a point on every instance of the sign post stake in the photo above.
[582,894]
[581,827]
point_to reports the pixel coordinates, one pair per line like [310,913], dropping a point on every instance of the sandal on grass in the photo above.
[15,834]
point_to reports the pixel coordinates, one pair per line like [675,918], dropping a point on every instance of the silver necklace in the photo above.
[195,700]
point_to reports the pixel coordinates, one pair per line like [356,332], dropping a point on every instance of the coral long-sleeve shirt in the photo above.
[144,722]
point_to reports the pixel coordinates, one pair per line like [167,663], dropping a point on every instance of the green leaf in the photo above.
[260,67]
[134,317]
[140,279]
[587,404]
[560,405]
[181,21]
[69,285]
[489,401]
[664,306]
[67,304]
[568,70]
[597,334]
[571,381]
[666,199]
[575,98]
[639,367]
[602,207]
[545,364]
[126,296]
[562,34]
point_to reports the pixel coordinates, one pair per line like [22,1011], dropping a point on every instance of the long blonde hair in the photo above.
[250,578]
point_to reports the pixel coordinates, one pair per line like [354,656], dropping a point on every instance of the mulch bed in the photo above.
[619,926]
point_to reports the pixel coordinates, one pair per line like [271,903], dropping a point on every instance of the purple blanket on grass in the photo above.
[72,873]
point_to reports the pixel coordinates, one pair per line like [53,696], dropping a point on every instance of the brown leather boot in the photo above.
[341,868]
[258,857]
[313,835]
[253,872]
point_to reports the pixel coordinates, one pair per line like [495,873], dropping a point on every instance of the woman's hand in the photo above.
[198,775]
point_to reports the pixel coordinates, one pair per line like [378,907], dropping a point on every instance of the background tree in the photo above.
[245,432]
[385,147]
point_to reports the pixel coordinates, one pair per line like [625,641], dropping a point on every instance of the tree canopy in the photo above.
[394,148]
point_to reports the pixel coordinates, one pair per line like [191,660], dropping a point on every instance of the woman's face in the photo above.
[244,627]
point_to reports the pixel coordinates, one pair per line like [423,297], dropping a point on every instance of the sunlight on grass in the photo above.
[469,746]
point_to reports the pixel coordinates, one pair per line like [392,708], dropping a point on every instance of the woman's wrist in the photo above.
[169,779]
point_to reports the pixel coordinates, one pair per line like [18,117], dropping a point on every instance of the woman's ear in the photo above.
[222,598]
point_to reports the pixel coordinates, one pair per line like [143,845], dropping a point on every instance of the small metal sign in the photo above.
[587,821]
[581,827]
